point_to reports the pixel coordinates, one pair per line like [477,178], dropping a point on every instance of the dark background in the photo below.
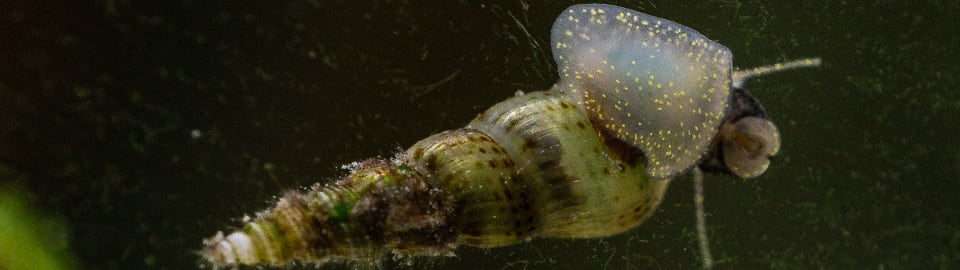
[146,127]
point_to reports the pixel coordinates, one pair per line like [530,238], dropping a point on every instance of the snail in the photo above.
[640,100]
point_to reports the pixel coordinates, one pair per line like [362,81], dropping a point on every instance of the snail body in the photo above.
[590,157]
[655,84]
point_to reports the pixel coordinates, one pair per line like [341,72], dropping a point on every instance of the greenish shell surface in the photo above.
[531,166]
[582,187]
[653,83]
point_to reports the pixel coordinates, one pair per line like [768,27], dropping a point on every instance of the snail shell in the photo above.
[531,166]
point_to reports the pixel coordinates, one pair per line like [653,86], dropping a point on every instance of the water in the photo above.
[146,128]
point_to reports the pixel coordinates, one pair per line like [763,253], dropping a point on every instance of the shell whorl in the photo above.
[582,186]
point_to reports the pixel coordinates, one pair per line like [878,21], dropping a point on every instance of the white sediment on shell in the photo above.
[242,247]
[225,249]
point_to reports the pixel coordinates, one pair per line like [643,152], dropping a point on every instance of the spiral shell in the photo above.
[531,166]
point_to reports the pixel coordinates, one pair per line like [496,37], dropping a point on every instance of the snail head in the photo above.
[747,139]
